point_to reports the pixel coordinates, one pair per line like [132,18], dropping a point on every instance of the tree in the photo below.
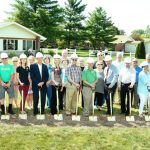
[138,34]
[140,51]
[73,21]
[100,28]
[42,16]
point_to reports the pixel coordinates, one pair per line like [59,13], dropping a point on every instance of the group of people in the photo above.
[63,76]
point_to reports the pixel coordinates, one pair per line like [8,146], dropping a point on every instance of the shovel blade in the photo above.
[130,118]
[147,118]
[93,118]
[40,117]
[75,118]
[58,117]
[23,116]
[111,118]
[5,117]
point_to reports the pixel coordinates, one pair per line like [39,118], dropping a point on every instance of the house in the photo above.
[15,37]
[128,44]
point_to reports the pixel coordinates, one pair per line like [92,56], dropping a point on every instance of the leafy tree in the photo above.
[138,34]
[73,21]
[140,51]
[100,28]
[42,16]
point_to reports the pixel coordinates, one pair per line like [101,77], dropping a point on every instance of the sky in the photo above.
[127,15]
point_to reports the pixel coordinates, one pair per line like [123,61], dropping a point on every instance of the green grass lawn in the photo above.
[70,138]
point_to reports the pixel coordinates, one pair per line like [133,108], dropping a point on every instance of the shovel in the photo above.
[93,118]
[23,115]
[76,117]
[6,116]
[130,118]
[147,117]
[40,116]
[111,118]
[58,116]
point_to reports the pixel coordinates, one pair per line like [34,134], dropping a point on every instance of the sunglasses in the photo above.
[99,64]
[100,55]
[4,58]
[15,61]
[74,59]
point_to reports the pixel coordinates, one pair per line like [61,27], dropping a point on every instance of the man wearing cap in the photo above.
[73,74]
[138,70]
[143,87]
[126,82]
[89,77]
[110,79]
[39,77]
[6,75]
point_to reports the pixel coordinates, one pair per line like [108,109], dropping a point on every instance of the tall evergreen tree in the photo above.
[100,28]
[140,51]
[73,21]
[42,16]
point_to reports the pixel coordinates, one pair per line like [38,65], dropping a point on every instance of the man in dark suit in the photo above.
[39,77]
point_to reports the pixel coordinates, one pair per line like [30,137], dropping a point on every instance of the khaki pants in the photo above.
[87,97]
[71,98]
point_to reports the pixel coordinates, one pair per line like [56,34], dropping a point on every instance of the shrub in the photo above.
[12,54]
[140,51]
[51,52]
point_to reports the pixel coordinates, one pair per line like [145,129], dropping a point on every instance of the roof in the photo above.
[6,24]
[122,39]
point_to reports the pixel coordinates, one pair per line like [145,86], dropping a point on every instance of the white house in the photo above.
[128,44]
[15,37]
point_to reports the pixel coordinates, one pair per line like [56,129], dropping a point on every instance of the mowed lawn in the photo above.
[70,138]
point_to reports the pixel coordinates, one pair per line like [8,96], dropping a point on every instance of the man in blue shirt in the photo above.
[110,78]
[135,95]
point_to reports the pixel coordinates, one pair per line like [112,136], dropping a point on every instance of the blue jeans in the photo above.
[49,95]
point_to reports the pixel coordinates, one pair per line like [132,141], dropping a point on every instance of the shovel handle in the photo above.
[40,99]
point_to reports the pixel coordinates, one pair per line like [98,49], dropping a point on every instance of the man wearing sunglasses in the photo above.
[6,74]
[73,74]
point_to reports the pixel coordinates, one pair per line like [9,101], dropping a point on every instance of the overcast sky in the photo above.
[126,14]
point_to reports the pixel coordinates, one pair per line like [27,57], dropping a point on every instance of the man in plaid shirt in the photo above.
[73,74]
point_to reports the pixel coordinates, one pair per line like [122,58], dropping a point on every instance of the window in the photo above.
[9,44]
[27,44]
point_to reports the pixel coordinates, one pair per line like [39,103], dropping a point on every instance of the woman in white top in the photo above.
[143,83]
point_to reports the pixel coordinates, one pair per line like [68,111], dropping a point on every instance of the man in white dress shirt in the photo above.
[119,63]
[126,81]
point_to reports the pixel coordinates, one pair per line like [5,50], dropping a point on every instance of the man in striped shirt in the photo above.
[73,74]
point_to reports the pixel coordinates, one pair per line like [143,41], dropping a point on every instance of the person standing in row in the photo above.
[23,79]
[6,83]
[144,82]
[73,74]
[135,94]
[82,66]
[47,61]
[89,77]
[99,89]
[56,85]
[31,60]
[126,82]
[119,63]
[15,60]
[39,77]
[110,79]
